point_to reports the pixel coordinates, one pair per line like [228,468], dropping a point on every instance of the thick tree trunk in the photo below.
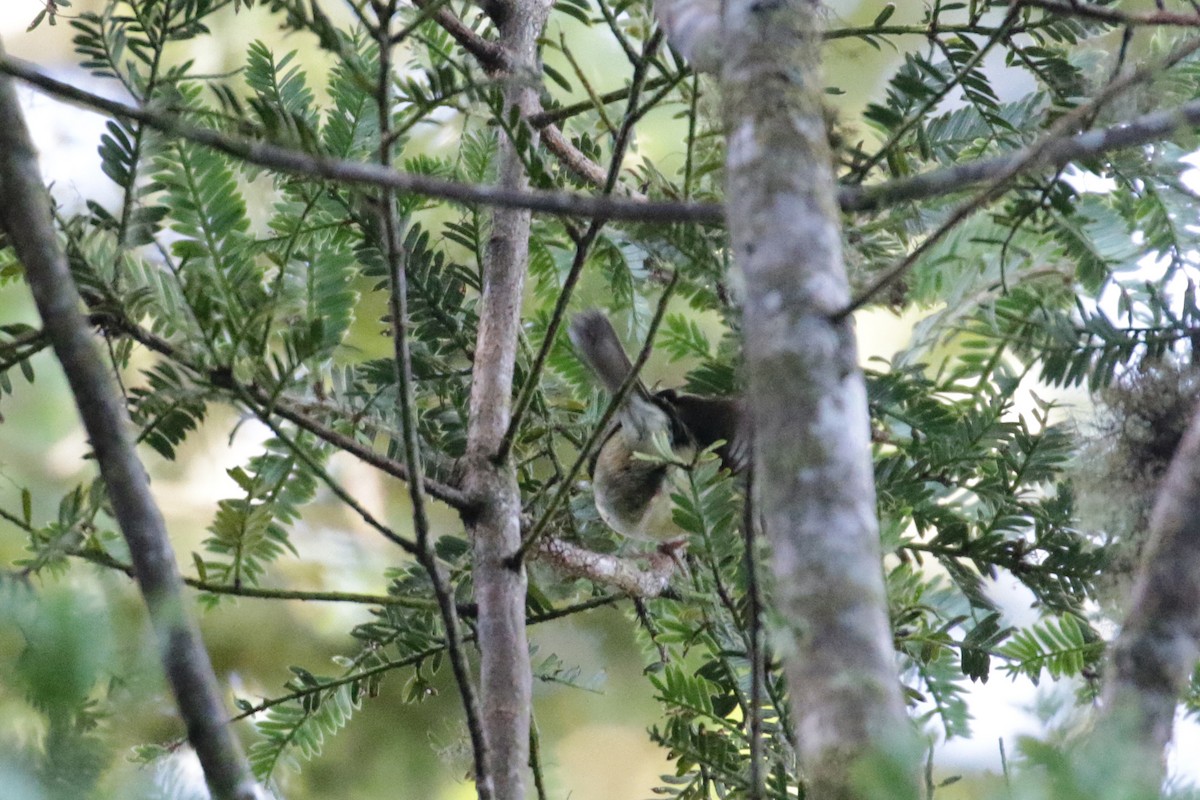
[807,398]
[1159,644]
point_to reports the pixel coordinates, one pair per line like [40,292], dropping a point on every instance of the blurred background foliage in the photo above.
[246,281]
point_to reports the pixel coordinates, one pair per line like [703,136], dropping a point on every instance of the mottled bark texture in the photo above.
[807,398]
[620,573]
[25,214]
[1159,644]
[505,683]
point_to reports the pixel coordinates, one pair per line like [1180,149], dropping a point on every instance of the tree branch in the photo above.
[25,211]
[506,676]
[297,162]
[1114,16]
[492,56]
[1136,131]
[609,570]
[396,258]
[1159,644]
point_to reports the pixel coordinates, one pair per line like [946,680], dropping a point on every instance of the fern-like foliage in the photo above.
[295,733]
[1055,647]
[224,292]
[248,532]
[220,279]
[166,409]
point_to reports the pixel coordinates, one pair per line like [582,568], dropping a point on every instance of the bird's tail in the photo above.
[598,345]
[597,342]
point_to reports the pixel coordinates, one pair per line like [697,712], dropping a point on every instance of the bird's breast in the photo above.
[632,493]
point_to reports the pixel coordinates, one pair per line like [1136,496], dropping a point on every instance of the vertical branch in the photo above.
[535,761]
[755,651]
[505,674]
[25,213]
[1159,642]
[583,244]
[398,308]
[807,396]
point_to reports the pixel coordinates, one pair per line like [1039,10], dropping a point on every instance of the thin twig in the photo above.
[581,76]
[298,162]
[535,759]
[273,403]
[754,630]
[1114,16]
[25,214]
[554,115]
[414,658]
[880,31]
[398,304]
[333,486]
[1037,154]
[103,559]
[643,615]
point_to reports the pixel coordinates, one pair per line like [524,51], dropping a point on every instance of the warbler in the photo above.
[632,483]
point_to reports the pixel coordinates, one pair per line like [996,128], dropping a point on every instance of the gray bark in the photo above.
[505,674]
[807,398]
[25,213]
[1159,643]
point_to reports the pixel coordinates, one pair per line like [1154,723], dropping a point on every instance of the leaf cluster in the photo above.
[219,286]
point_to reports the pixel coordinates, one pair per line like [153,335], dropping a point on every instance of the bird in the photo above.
[632,484]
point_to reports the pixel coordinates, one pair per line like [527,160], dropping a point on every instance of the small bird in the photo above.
[633,493]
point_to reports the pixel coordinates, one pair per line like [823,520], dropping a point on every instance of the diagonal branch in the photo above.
[496,60]
[1054,152]
[1036,155]
[297,162]
[493,56]
[25,213]
[1159,643]
[293,411]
